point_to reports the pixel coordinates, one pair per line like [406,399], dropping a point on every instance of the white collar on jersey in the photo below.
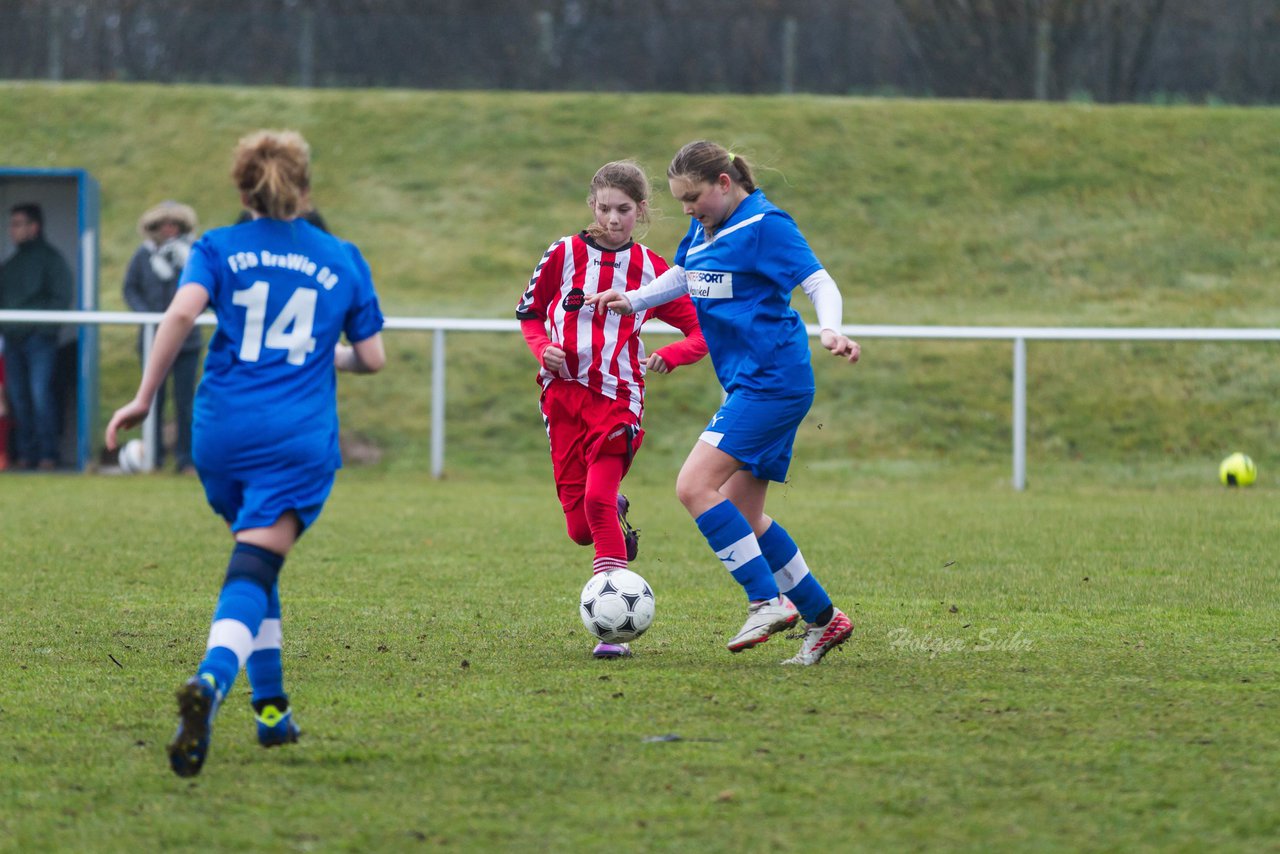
[751,220]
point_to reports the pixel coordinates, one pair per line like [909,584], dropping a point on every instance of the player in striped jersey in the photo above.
[265,437]
[740,260]
[593,363]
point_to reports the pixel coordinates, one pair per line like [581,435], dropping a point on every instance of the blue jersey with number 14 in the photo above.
[284,293]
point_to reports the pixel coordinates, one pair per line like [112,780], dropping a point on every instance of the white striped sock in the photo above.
[233,635]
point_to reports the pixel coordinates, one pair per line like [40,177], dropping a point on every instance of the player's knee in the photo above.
[579,531]
[600,501]
[688,491]
[255,564]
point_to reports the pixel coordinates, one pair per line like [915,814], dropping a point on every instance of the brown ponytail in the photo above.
[272,169]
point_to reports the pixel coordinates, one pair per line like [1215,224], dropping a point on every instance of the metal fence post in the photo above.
[789,39]
[150,426]
[1019,414]
[437,405]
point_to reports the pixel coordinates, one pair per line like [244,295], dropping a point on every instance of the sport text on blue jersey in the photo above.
[707,285]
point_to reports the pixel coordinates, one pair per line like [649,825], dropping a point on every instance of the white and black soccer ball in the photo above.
[133,457]
[616,606]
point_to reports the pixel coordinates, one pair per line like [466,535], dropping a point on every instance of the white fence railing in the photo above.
[1019,336]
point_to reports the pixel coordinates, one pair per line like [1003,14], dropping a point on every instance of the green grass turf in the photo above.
[1087,666]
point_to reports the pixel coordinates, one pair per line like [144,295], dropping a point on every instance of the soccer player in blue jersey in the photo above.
[740,260]
[265,437]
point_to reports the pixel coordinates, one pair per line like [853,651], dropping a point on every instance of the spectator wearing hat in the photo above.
[168,232]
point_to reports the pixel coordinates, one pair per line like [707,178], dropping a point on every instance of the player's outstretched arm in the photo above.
[615,301]
[179,318]
[663,289]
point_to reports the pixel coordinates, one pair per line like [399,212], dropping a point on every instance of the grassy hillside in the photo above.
[925,212]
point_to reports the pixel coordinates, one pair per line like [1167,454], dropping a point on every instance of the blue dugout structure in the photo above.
[69,198]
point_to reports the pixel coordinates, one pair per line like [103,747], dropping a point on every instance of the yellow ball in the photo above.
[1237,470]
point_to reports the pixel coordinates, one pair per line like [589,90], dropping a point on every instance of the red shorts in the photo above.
[581,426]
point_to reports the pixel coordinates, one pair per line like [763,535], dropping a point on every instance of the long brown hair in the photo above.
[272,169]
[624,175]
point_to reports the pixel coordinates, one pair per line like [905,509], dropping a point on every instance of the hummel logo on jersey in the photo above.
[709,285]
[573,300]
[617,265]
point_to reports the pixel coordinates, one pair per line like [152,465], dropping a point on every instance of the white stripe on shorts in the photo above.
[712,439]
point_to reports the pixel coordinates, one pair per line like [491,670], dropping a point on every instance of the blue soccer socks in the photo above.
[242,606]
[730,537]
[264,667]
[792,574]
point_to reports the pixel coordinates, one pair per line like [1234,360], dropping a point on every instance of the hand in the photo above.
[658,364]
[615,301]
[131,414]
[840,345]
[553,358]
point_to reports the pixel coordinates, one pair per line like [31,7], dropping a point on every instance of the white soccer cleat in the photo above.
[764,619]
[820,640]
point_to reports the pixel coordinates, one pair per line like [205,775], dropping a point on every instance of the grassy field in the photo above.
[1090,665]
[1086,669]
[925,213]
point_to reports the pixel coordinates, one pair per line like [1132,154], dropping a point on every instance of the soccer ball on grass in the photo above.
[1237,470]
[133,457]
[616,606]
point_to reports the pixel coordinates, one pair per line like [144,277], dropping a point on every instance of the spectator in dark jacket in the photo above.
[36,277]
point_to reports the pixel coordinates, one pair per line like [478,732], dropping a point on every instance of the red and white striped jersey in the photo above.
[603,350]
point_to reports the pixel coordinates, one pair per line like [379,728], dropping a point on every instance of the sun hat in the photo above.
[168,211]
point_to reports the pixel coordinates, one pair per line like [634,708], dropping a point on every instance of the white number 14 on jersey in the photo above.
[291,330]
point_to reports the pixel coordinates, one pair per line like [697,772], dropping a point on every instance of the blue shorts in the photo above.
[758,431]
[259,499]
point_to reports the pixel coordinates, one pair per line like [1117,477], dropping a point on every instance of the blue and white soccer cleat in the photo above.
[198,702]
[629,534]
[276,727]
